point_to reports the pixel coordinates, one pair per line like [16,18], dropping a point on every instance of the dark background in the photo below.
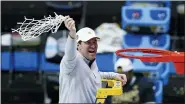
[97,12]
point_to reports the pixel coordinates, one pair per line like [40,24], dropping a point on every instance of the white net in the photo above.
[31,28]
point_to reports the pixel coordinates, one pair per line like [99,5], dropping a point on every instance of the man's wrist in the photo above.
[72,34]
[114,75]
[72,37]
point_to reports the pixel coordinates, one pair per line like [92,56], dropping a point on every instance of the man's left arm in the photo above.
[112,75]
[108,75]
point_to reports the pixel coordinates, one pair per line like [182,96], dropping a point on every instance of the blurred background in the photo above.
[29,69]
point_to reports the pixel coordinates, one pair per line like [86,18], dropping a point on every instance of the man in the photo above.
[79,77]
[138,89]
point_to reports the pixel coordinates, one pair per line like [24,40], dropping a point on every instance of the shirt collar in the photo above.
[86,60]
[89,63]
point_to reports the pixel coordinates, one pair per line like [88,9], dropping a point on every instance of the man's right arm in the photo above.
[70,48]
[69,60]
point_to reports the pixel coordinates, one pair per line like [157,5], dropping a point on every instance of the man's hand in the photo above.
[122,78]
[70,25]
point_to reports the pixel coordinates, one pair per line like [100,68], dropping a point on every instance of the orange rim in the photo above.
[163,54]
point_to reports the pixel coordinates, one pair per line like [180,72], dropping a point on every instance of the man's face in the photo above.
[89,48]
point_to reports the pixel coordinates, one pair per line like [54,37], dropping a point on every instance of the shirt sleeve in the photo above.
[68,62]
[108,75]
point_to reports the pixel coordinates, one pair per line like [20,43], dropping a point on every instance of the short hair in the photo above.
[79,43]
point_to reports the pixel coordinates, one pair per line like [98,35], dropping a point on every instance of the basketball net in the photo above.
[32,28]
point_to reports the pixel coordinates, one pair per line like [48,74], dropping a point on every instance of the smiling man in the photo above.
[79,77]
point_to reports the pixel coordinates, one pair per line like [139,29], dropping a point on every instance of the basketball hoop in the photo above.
[32,28]
[162,56]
